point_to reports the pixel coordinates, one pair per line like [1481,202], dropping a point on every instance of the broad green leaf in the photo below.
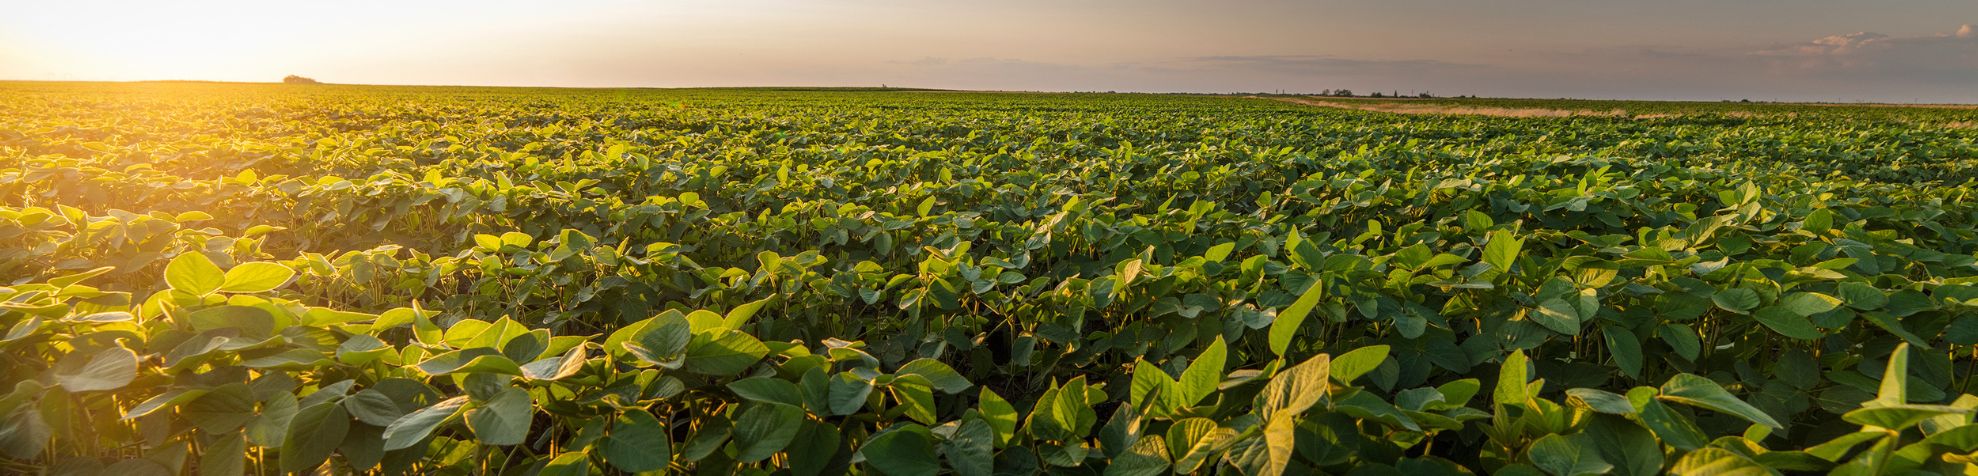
[1351,365]
[1906,302]
[727,354]
[1625,348]
[23,432]
[373,407]
[1295,389]
[1632,449]
[1203,374]
[1220,252]
[1503,248]
[1807,304]
[1738,300]
[1898,417]
[1000,414]
[1602,401]
[169,399]
[192,273]
[1894,325]
[1717,462]
[1149,379]
[661,339]
[1818,222]
[253,322]
[925,208]
[638,442]
[1895,380]
[504,419]
[901,453]
[363,447]
[221,410]
[312,435]
[1862,296]
[108,369]
[256,277]
[766,389]
[1269,453]
[1288,321]
[1571,455]
[848,393]
[270,427]
[765,429]
[816,450]
[916,394]
[413,427]
[1787,323]
[476,360]
[226,455]
[971,451]
[1192,440]
[1682,339]
[1558,315]
[1700,391]
[740,314]
[1147,457]
[574,463]
[941,375]
[1511,380]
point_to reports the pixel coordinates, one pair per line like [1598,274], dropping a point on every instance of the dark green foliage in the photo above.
[218,279]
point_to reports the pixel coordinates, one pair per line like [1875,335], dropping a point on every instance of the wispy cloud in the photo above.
[1952,55]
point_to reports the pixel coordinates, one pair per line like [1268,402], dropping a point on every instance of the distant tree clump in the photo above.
[293,79]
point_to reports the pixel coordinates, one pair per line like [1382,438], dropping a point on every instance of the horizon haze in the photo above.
[1763,50]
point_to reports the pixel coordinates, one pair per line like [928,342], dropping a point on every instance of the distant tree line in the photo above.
[293,79]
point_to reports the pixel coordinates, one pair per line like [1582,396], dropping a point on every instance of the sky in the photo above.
[1784,50]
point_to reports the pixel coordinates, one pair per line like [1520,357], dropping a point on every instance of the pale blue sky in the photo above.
[1900,50]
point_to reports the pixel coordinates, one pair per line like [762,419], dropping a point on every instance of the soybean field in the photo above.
[228,279]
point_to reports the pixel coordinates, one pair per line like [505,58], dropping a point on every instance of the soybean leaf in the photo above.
[1503,248]
[1625,348]
[766,389]
[971,450]
[504,420]
[1632,449]
[1202,375]
[1288,321]
[574,463]
[1738,300]
[312,435]
[413,427]
[1192,440]
[1787,323]
[255,277]
[1570,455]
[1351,365]
[192,273]
[638,442]
[1147,457]
[1295,389]
[765,429]
[901,453]
[727,354]
[848,393]
[109,369]
[1000,414]
[1700,391]
[1718,462]
[941,375]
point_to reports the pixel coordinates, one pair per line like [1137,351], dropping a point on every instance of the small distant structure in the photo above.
[293,79]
